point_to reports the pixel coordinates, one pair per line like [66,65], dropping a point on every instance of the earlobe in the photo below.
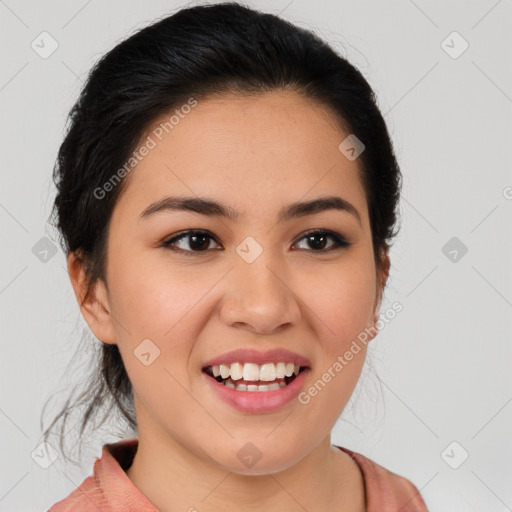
[93,302]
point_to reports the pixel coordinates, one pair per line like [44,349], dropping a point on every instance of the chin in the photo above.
[250,461]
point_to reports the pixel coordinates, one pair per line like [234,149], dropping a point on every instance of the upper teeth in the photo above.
[253,371]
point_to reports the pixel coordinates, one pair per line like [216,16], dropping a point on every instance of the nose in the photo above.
[260,296]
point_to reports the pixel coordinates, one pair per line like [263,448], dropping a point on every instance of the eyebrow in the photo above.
[211,208]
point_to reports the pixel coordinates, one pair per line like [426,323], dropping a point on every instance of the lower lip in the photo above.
[258,401]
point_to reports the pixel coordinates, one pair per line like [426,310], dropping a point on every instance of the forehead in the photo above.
[259,149]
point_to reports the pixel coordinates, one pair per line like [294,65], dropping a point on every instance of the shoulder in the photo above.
[88,495]
[108,488]
[386,491]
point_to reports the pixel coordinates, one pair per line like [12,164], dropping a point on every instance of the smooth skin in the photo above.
[256,154]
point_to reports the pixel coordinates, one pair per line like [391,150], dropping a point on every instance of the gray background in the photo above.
[444,362]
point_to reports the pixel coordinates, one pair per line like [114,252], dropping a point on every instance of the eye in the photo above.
[196,241]
[318,239]
[199,240]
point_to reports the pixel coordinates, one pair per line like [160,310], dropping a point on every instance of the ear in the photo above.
[94,303]
[382,277]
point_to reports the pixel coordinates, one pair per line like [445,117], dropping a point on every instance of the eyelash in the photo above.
[339,241]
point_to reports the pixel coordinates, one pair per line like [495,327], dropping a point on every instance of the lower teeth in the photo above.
[254,387]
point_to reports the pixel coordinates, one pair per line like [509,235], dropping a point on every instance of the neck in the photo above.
[173,478]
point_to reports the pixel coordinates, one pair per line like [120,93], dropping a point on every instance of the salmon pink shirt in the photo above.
[110,489]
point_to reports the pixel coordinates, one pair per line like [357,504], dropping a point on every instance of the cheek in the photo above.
[343,302]
[152,300]
[160,304]
[327,394]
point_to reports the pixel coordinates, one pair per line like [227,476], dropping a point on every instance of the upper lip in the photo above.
[244,355]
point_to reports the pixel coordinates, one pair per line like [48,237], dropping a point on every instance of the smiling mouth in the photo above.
[250,377]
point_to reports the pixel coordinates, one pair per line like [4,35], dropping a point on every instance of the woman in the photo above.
[227,195]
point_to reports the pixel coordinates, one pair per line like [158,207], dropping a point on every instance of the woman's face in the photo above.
[256,282]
